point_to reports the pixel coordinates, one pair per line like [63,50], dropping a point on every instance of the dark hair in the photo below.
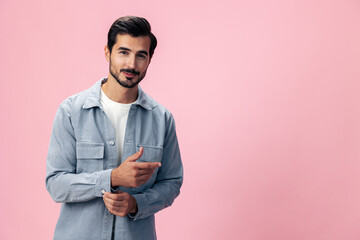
[134,26]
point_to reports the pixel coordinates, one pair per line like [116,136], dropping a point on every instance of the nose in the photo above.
[131,61]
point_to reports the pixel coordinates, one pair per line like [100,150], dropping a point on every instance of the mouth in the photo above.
[128,75]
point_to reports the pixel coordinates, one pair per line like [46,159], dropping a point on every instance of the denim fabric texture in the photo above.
[82,154]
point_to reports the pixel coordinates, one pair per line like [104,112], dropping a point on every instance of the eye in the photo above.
[141,56]
[123,52]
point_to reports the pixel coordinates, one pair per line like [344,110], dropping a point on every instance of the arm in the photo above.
[62,182]
[168,181]
[129,174]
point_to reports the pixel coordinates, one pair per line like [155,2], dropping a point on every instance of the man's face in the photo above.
[129,59]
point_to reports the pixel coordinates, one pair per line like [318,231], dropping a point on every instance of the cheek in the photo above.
[116,59]
[116,63]
[143,66]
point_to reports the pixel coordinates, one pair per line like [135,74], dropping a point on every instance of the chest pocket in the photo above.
[90,156]
[150,154]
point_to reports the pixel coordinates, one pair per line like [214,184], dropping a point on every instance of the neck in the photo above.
[118,93]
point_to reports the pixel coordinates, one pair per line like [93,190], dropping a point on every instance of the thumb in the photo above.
[136,155]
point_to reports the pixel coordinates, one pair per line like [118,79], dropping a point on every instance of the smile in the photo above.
[129,75]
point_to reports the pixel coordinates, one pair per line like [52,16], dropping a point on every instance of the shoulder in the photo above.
[74,103]
[152,105]
[78,101]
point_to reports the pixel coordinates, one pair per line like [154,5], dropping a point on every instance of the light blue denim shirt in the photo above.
[82,154]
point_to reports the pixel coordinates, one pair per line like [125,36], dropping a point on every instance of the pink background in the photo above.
[265,95]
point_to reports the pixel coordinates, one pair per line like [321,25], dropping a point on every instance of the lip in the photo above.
[129,75]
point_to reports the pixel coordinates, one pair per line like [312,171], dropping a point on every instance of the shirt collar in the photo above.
[93,97]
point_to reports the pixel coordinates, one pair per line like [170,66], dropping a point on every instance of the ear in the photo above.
[107,53]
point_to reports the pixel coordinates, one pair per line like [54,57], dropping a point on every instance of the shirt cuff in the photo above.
[103,183]
[142,207]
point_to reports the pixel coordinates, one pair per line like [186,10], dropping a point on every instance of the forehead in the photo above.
[140,43]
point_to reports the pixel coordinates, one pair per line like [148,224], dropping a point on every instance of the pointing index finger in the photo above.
[148,165]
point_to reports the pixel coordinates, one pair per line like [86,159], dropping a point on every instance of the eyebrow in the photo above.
[127,49]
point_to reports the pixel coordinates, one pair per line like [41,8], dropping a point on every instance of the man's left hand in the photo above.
[120,203]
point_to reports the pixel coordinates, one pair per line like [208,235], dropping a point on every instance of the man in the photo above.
[114,158]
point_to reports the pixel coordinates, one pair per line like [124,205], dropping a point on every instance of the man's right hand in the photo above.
[131,173]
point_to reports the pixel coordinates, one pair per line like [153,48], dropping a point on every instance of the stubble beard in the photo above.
[128,83]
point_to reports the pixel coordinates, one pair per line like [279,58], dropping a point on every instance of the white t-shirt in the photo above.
[118,114]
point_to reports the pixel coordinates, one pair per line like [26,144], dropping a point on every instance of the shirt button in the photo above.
[112,143]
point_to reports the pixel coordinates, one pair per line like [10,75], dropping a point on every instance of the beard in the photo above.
[128,82]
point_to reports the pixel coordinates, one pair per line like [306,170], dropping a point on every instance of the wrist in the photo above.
[113,180]
[135,208]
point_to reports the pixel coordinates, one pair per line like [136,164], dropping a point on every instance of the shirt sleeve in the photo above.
[62,181]
[168,181]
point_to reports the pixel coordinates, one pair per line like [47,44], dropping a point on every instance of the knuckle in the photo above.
[135,183]
[122,213]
